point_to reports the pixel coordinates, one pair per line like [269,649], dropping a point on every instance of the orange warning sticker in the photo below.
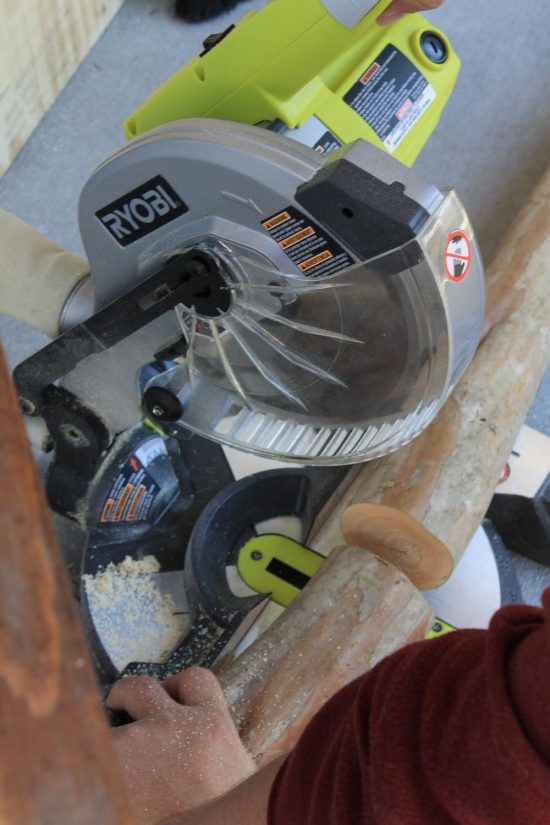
[369,73]
[134,505]
[107,510]
[122,502]
[391,95]
[297,237]
[276,220]
[318,259]
[311,249]
[133,491]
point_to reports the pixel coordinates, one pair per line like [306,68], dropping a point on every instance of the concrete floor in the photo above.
[492,143]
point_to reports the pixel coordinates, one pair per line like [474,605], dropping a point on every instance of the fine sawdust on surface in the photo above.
[135,621]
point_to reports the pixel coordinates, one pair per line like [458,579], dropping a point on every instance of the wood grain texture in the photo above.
[348,618]
[41,45]
[397,538]
[57,763]
[445,479]
[46,274]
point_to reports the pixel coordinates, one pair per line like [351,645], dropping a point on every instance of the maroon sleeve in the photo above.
[454,730]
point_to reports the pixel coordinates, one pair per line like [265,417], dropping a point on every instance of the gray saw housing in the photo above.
[300,308]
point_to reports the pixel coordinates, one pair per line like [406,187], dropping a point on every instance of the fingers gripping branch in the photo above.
[195,686]
[140,696]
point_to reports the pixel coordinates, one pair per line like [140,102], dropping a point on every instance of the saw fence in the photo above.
[57,763]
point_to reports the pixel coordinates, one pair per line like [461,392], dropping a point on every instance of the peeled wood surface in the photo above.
[445,479]
[348,618]
[36,275]
[397,538]
[57,763]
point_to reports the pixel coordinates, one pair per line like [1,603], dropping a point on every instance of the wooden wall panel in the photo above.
[41,45]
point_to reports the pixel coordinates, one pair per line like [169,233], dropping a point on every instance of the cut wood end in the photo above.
[396,537]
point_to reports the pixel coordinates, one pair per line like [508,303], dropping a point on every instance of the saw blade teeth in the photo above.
[179,309]
[191,351]
[189,335]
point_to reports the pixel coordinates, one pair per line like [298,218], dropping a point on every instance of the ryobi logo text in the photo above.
[141,211]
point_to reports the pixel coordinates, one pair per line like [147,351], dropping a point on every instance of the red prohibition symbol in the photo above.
[458,256]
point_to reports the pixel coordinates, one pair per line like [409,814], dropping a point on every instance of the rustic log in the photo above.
[396,537]
[57,763]
[36,275]
[445,479]
[348,618]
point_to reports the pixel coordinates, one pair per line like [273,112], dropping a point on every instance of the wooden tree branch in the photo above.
[347,619]
[445,479]
[36,275]
[57,763]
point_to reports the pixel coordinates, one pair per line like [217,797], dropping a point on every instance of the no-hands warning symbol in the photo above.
[458,256]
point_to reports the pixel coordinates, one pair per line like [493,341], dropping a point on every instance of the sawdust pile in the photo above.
[135,621]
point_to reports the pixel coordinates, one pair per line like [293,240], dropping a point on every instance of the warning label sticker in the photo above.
[327,143]
[458,256]
[390,96]
[315,134]
[315,253]
[133,492]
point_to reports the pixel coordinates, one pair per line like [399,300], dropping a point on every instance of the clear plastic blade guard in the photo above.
[336,370]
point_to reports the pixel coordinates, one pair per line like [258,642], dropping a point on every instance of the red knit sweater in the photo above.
[455,730]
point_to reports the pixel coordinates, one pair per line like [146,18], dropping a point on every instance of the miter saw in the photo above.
[298,308]
[253,294]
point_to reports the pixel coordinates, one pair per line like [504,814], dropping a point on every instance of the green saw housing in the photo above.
[294,66]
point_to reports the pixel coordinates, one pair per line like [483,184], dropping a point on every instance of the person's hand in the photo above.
[401,7]
[182,750]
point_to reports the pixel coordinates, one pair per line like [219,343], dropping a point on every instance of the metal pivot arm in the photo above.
[192,279]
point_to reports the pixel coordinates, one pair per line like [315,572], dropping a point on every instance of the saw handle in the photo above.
[396,537]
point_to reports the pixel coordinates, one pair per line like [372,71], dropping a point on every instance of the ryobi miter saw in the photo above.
[250,295]
[298,308]
[249,291]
